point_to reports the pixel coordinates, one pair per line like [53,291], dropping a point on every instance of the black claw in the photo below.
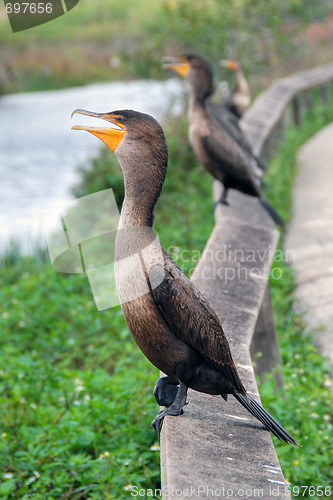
[157,424]
[176,408]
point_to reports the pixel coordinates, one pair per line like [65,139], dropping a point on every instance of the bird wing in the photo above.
[231,158]
[228,120]
[231,123]
[232,107]
[192,319]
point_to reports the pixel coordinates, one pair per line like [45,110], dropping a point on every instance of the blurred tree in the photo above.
[259,32]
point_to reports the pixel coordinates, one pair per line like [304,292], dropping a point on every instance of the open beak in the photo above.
[110,136]
[180,66]
[230,64]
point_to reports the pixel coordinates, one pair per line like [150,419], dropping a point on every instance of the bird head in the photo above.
[137,140]
[229,64]
[180,65]
[197,70]
[130,130]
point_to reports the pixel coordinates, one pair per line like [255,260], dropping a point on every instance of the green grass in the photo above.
[304,405]
[75,391]
[75,395]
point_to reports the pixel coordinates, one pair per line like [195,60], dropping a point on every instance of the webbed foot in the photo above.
[165,391]
[176,408]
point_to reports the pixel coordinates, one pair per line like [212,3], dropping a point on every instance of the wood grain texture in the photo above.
[214,445]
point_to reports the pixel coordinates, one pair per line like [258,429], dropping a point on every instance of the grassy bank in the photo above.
[304,404]
[75,391]
[78,47]
[104,40]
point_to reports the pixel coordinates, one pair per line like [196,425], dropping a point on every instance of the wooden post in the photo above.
[325,93]
[276,135]
[265,343]
[309,100]
[297,110]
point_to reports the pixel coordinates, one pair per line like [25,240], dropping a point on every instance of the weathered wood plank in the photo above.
[325,93]
[277,97]
[297,111]
[265,343]
[309,100]
[211,442]
[207,449]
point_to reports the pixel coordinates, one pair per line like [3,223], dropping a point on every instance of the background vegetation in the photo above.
[105,40]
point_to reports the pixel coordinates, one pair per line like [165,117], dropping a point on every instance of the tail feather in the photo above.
[265,418]
[273,213]
[261,163]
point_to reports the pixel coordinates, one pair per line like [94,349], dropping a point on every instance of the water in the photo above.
[39,153]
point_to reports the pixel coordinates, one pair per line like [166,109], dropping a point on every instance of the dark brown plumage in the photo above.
[169,318]
[227,157]
[228,120]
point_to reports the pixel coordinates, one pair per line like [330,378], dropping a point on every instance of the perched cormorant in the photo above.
[240,97]
[215,145]
[169,318]
[221,112]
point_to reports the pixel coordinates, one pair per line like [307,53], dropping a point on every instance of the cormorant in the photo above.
[240,97]
[170,320]
[215,145]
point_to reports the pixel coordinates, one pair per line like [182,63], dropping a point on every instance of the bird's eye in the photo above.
[119,119]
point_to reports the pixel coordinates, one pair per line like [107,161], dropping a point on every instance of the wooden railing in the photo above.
[217,449]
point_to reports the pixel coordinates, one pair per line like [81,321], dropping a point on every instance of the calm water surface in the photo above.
[39,153]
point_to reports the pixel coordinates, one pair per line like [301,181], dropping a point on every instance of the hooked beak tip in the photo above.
[74,112]
[86,113]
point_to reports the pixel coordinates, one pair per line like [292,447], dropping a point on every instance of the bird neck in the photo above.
[242,85]
[202,86]
[143,179]
[137,212]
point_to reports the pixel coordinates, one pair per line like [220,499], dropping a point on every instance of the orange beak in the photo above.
[112,137]
[230,64]
[181,67]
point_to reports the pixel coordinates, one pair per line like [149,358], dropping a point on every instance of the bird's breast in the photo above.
[134,260]
[196,135]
